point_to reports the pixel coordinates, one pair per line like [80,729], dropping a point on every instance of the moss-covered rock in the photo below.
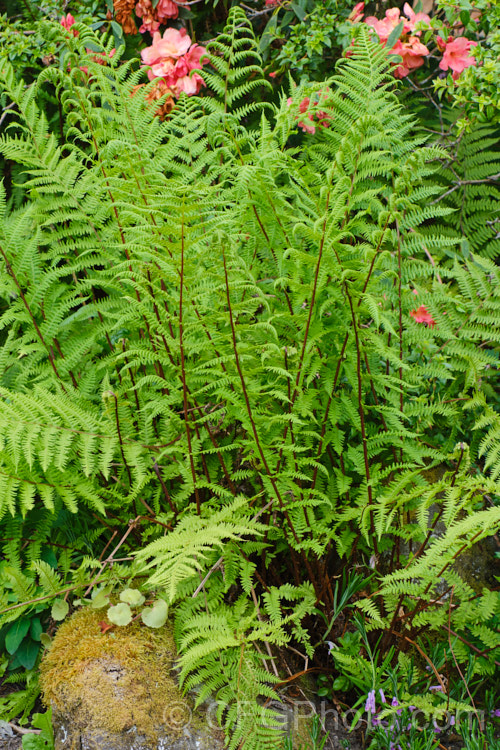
[115,690]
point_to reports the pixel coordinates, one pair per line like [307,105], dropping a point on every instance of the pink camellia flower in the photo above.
[416,18]
[357,13]
[384,26]
[166,9]
[422,315]
[67,22]
[456,55]
[412,52]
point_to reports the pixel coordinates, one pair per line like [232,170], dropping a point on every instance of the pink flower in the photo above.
[386,25]
[307,124]
[173,58]
[350,50]
[193,57]
[67,22]
[422,315]
[457,55]
[162,69]
[357,13]
[412,52]
[303,107]
[144,9]
[188,84]
[174,44]
[441,44]
[101,59]
[271,2]
[166,9]
[273,74]
[416,18]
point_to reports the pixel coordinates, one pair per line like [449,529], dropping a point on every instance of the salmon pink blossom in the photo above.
[166,9]
[412,52]
[173,58]
[414,19]
[173,45]
[193,57]
[422,315]
[456,55]
[189,84]
[384,26]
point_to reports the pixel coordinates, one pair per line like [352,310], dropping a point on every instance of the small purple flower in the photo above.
[452,721]
[395,703]
[382,696]
[411,708]
[496,712]
[437,688]
[370,706]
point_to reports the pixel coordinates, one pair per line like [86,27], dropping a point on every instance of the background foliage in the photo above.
[250,365]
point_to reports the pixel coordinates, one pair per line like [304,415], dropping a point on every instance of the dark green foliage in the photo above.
[208,328]
[472,177]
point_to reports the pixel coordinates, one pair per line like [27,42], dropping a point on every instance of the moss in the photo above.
[115,680]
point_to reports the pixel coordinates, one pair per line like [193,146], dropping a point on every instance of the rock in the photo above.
[116,690]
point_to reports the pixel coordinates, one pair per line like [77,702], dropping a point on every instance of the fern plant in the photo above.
[210,329]
[470,179]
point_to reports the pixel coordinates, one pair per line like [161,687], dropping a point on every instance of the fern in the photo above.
[209,330]
[470,178]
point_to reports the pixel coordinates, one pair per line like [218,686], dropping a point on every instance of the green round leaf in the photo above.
[45,640]
[121,614]
[155,616]
[132,597]
[60,609]
[100,600]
